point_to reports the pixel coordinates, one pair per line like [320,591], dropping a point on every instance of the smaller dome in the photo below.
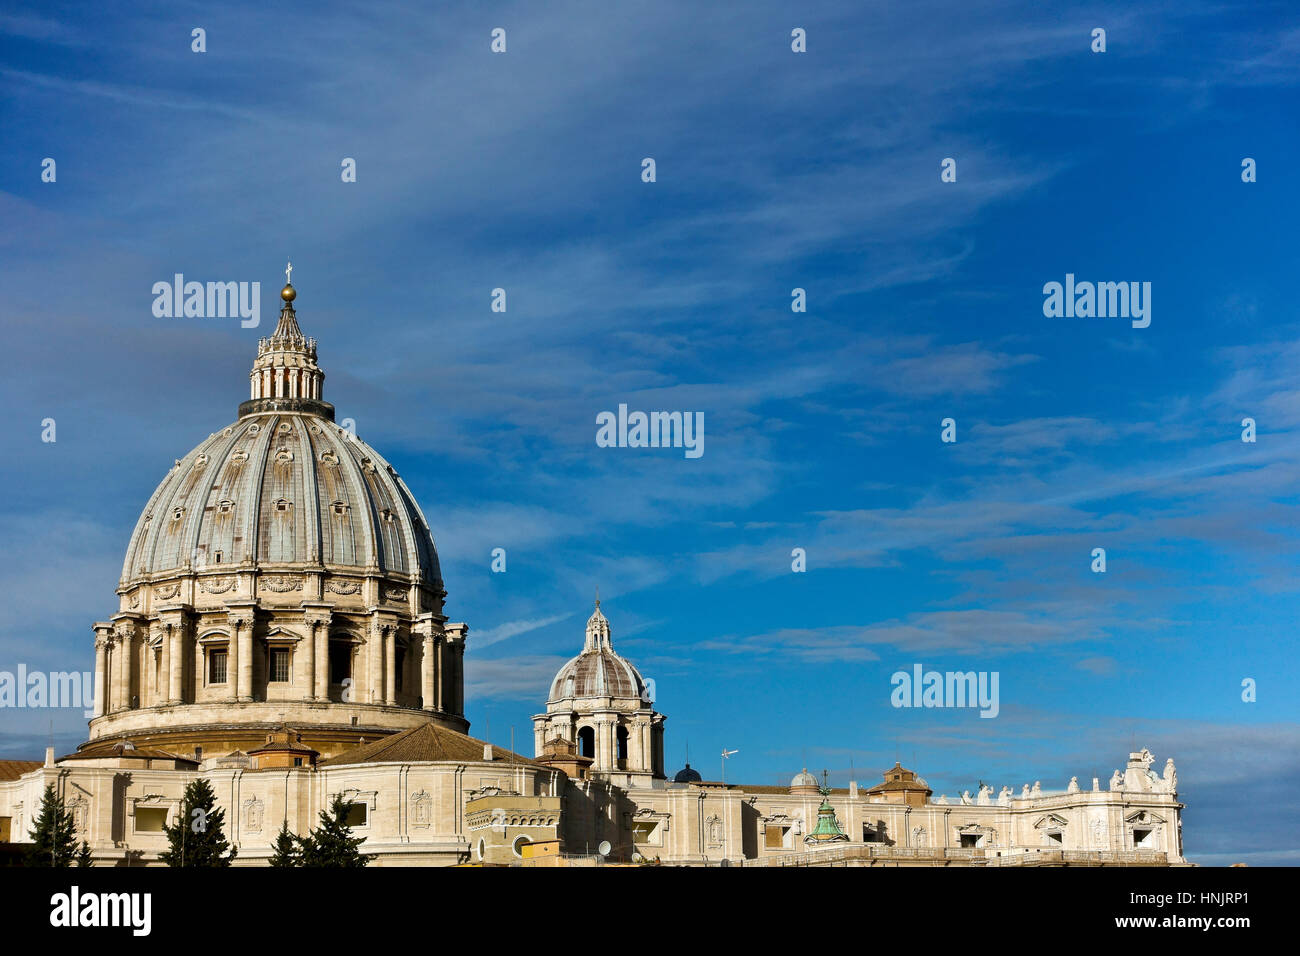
[598,671]
[804,781]
[687,775]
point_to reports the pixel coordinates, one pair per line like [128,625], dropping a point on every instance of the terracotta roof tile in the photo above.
[427,742]
[13,769]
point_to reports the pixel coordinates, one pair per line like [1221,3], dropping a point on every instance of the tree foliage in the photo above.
[198,837]
[53,839]
[287,848]
[332,843]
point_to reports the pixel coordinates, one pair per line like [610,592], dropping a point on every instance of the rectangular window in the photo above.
[279,666]
[340,661]
[150,819]
[217,666]
[358,814]
[775,837]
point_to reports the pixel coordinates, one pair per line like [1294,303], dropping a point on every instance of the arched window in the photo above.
[587,742]
[340,660]
[620,738]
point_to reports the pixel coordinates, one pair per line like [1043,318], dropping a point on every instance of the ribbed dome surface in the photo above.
[597,671]
[598,674]
[282,488]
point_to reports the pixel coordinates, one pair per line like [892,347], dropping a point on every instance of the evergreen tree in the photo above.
[83,855]
[287,851]
[52,833]
[198,838]
[332,843]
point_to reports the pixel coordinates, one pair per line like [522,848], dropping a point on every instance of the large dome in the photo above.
[282,489]
[282,572]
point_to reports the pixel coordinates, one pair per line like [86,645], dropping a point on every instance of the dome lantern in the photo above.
[285,376]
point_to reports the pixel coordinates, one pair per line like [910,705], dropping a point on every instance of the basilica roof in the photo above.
[283,484]
[13,769]
[426,743]
[598,671]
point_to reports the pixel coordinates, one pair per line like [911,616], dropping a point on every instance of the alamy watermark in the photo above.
[55,689]
[923,688]
[651,430]
[75,909]
[214,300]
[1102,300]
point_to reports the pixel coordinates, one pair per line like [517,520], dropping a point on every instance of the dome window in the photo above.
[284,454]
[283,505]
[340,508]
[225,506]
[239,457]
[178,513]
[388,515]
[329,458]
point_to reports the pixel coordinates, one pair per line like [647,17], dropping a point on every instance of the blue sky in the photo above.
[774,171]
